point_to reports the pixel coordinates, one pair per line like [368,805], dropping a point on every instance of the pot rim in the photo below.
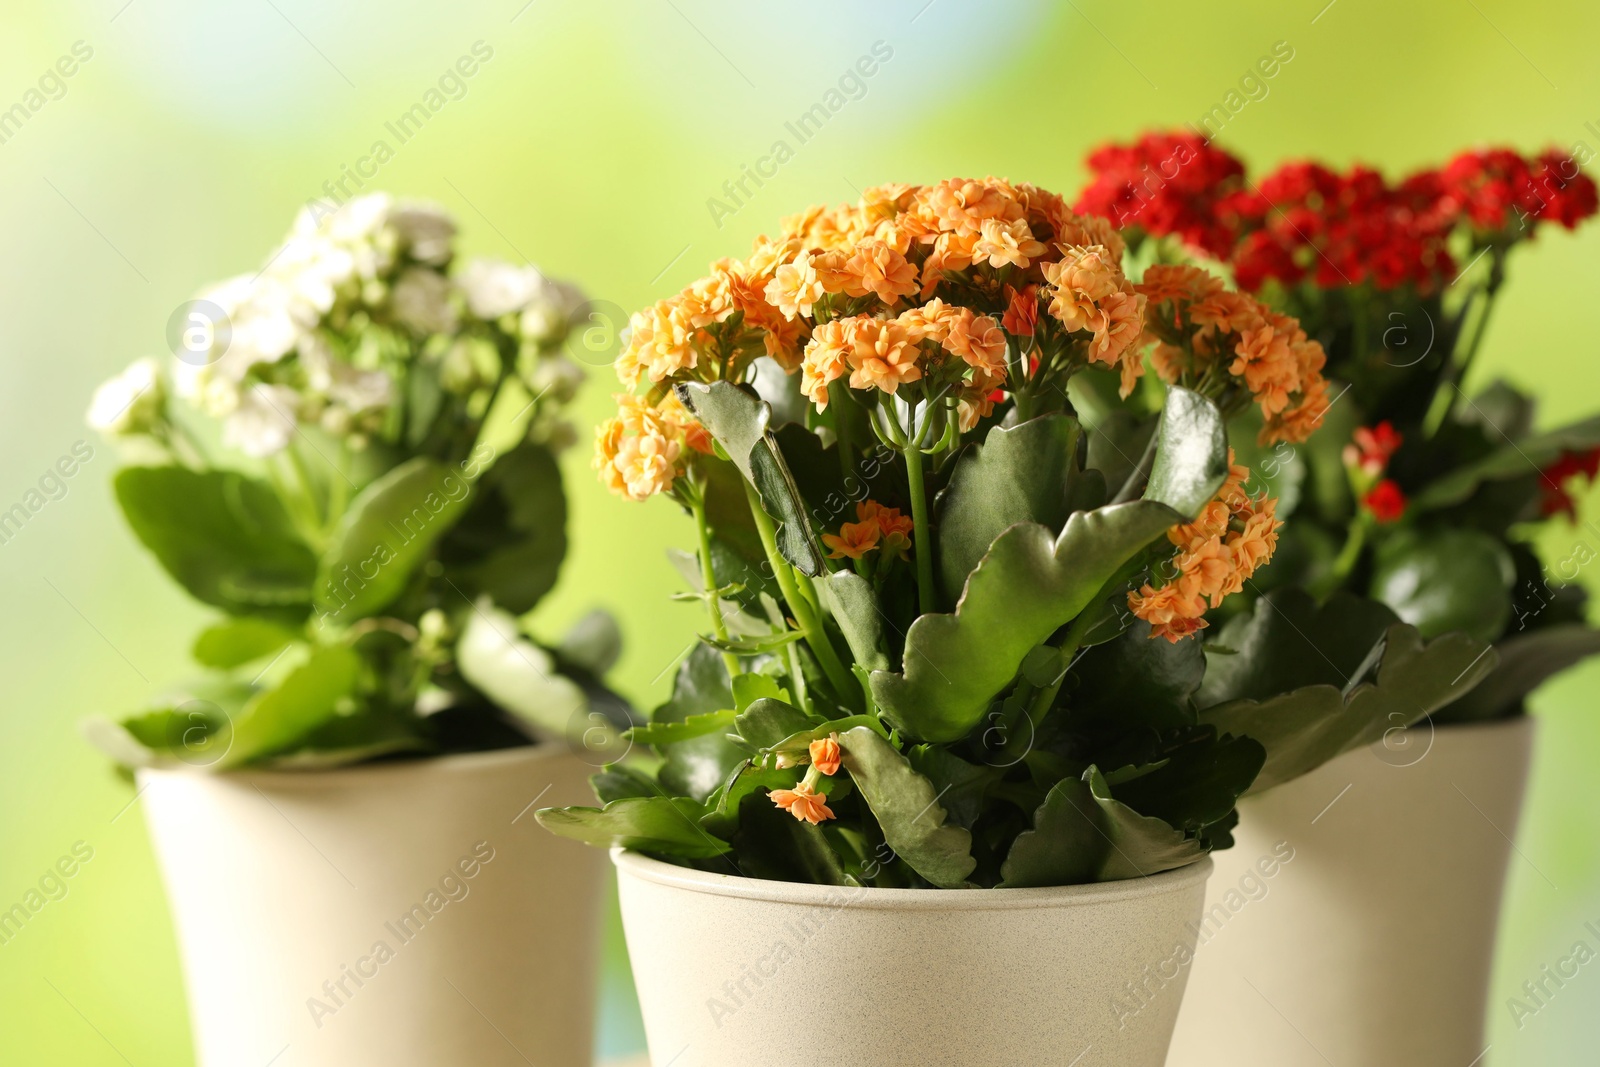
[310,778]
[645,868]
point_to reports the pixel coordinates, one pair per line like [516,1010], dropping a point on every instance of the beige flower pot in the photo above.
[735,970]
[399,914]
[1354,920]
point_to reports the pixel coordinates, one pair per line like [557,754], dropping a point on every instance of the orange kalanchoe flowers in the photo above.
[826,755]
[1210,338]
[854,539]
[1233,537]
[804,803]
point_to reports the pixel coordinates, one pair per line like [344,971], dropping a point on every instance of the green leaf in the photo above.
[236,642]
[697,767]
[1116,443]
[854,605]
[1440,580]
[768,721]
[1200,778]
[1288,641]
[222,536]
[510,542]
[667,826]
[666,733]
[389,529]
[1081,834]
[280,718]
[1191,454]
[907,808]
[521,677]
[1032,583]
[1512,460]
[1018,474]
[961,786]
[1134,681]
[1304,728]
[1527,660]
[738,421]
[347,739]
[773,844]
[618,780]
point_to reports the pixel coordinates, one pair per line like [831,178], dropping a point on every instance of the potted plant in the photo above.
[946,726]
[353,458]
[1418,502]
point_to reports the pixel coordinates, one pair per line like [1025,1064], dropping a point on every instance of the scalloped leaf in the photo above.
[1031,583]
[1526,662]
[1304,728]
[1082,834]
[662,825]
[1511,460]
[906,806]
[739,422]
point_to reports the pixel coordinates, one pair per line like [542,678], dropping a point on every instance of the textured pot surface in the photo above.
[403,913]
[1354,921]
[735,970]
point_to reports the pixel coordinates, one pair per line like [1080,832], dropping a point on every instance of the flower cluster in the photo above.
[328,331]
[804,801]
[1217,341]
[953,296]
[1166,184]
[1305,221]
[1366,458]
[877,529]
[1233,537]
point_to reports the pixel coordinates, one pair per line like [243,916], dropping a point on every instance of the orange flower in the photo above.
[874,267]
[979,341]
[931,321]
[1169,613]
[1077,282]
[951,251]
[826,358]
[854,539]
[1264,359]
[961,204]
[659,340]
[826,755]
[637,452]
[1117,338]
[895,527]
[1022,310]
[883,355]
[794,287]
[1003,243]
[804,803]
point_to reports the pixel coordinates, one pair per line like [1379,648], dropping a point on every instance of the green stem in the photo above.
[806,619]
[709,579]
[920,544]
[1444,400]
[1354,542]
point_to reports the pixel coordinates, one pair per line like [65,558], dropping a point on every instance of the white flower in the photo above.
[544,321]
[426,230]
[421,300]
[263,422]
[130,403]
[494,288]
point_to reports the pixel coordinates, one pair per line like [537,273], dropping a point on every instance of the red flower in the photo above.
[1497,190]
[1555,499]
[1386,501]
[1174,183]
[1371,449]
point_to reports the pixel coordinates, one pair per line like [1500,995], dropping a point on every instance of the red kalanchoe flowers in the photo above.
[1167,184]
[1371,449]
[1386,501]
[1498,190]
[1555,498]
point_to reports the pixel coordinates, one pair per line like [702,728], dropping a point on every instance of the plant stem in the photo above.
[806,619]
[1354,542]
[708,578]
[1444,400]
[1140,476]
[921,545]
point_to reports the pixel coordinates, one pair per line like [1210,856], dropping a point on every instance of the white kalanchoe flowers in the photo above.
[131,403]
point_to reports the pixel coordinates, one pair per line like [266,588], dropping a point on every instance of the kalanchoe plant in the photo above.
[954,570]
[353,458]
[1418,496]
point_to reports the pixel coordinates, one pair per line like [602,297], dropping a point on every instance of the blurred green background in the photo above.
[590,144]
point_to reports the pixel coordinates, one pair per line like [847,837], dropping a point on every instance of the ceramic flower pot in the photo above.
[1354,920]
[734,970]
[400,913]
